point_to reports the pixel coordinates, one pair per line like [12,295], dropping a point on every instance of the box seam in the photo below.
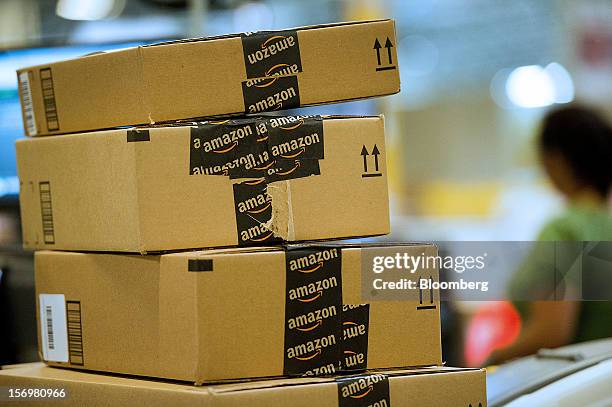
[144,88]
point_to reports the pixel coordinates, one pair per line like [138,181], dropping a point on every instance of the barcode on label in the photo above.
[49,316]
[53,327]
[26,103]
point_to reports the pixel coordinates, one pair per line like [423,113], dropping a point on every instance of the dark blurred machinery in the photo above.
[17,304]
[575,375]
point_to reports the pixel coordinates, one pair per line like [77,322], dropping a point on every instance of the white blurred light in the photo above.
[564,86]
[253,16]
[530,86]
[134,28]
[422,55]
[9,186]
[535,86]
[497,88]
[89,9]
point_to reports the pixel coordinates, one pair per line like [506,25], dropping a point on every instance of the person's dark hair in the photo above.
[584,138]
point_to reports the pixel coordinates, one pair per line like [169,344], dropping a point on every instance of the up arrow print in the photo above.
[364,153]
[377,47]
[389,64]
[375,153]
[388,45]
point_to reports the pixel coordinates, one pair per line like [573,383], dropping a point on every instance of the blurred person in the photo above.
[575,147]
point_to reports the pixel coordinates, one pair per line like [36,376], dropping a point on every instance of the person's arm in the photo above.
[551,324]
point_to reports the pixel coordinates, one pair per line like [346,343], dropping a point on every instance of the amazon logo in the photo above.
[282,70]
[294,126]
[354,360]
[271,47]
[312,291]
[311,320]
[272,101]
[289,122]
[257,233]
[352,330]
[225,142]
[296,146]
[313,261]
[282,173]
[361,387]
[311,349]
[256,204]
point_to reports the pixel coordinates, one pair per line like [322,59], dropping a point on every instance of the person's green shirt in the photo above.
[578,223]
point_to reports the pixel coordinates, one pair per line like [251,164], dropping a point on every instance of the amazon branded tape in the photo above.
[204,77]
[425,387]
[248,181]
[231,313]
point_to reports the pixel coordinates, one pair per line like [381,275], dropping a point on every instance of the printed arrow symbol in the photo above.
[364,153]
[375,153]
[420,292]
[377,47]
[389,45]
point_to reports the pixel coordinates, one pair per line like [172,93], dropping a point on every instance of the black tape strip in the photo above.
[135,135]
[271,93]
[273,149]
[268,53]
[218,147]
[200,265]
[253,209]
[313,311]
[291,169]
[262,150]
[366,390]
[296,137]
[355,324]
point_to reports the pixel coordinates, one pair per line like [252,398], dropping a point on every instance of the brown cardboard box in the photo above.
[229,313]
[238,182]
[205,77]
[430,387]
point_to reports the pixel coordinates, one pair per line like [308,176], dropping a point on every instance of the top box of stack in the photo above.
[214,76]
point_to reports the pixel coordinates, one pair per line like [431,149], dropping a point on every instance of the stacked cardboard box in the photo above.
[425,387]
[119,213]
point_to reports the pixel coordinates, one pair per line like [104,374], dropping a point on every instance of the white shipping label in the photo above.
[26,103]
[53,329]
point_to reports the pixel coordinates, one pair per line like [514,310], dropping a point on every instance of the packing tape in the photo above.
[256,152]
[271,60]
[366,390]
[322,336]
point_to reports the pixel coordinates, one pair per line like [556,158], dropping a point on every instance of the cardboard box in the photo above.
[228,313]
[237,182]
[204,77]
[432,387]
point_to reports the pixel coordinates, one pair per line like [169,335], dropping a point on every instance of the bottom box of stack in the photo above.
[426,387]
[223,314]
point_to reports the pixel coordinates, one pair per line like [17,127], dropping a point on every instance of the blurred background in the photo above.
[477,77]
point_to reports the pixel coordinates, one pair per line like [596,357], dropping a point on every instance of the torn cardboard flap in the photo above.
[281,222]
[251,181]
[234,74]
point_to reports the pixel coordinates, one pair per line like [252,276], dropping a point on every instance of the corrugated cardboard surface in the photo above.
[151,316]
[208,77]
[142,190]
[432,387]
